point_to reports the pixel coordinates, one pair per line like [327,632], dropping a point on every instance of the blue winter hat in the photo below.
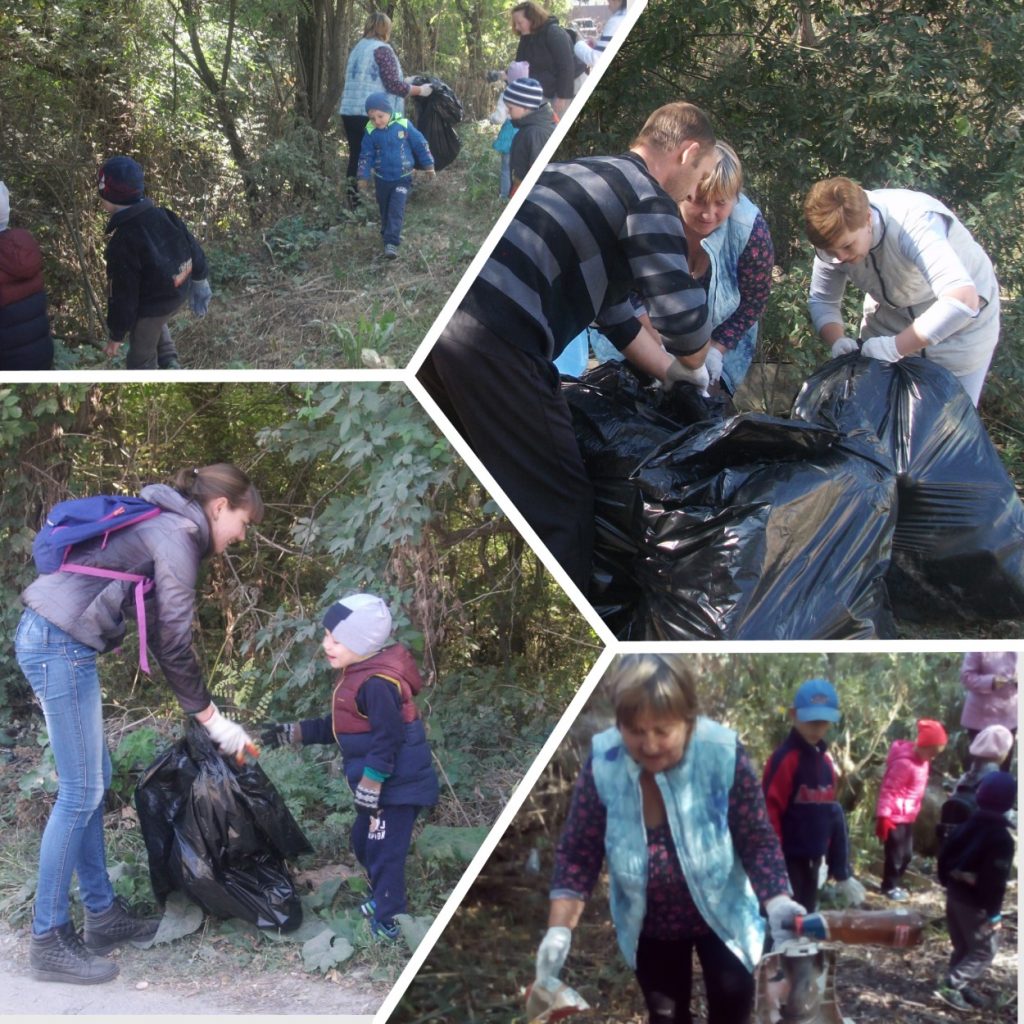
[121,181]
[816,701]
[379,101]
[997,792]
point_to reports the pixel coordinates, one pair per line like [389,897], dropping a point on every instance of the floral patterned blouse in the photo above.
[671,913]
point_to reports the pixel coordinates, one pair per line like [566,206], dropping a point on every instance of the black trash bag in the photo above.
[435,117]
[958,547]
[749,528]
[219,832]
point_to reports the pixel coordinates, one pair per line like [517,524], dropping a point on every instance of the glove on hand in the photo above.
[229,736]
[424,90]
[677,372]
[713,364]
[367,795]
[843,347]
[781,910]
[851,891]
[883,348]
[883,826]
[279,734]
[199,297]
[554,948]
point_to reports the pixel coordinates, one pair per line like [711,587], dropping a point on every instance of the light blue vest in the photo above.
[724,247]
[362,77]
[696,795]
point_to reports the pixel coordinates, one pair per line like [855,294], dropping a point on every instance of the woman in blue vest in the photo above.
[373,66]
[697,871]
[731,254]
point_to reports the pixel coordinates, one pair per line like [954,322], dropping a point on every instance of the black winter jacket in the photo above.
[552,62]
[534,130]
[983,847]
[151,257]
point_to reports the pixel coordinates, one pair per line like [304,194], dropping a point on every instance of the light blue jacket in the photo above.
[696,795]
[362,77]
[724,247]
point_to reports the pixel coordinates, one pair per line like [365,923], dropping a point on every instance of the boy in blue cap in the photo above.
[153,264]
[392,149]
[799,785]
[384,747]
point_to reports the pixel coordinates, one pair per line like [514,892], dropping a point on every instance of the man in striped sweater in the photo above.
[590,232]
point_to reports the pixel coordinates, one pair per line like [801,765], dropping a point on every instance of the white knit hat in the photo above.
[993,743]
[362,622]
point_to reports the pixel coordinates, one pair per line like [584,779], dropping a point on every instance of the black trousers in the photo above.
[803,876]
[899,848]
[974,944]
[665,973]
[381,842]
[355,129]
[508,405]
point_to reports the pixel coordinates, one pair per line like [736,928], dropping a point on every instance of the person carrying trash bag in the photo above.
[671,799]
[929,287]
[71,617]
[387,759]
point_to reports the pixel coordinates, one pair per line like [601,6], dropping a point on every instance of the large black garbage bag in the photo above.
[219,832]
[747,528]
[958,547]
[436,116]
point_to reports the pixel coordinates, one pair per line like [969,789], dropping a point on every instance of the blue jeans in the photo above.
[391,199]
[62,673]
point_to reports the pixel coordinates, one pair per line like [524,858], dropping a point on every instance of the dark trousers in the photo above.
[381,844]
[355,129]
[391,199]
[508,405]
[899,848]
[974,943]
[1005,766]
[150,346]
[665,973]
[803,876]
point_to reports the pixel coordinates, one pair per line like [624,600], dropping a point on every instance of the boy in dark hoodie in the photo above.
[974,866]
[799,784]
[535,121]
[384,747]
[392,149]
[153,264]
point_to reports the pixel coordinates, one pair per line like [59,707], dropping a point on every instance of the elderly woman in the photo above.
[372,67]
[929,287]
[695,875]
[731,255]
[546,46]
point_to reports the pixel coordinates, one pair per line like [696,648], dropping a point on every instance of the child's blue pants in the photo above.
[381,845]
[391,199]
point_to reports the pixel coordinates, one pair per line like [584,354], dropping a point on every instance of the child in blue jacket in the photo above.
[384,746]
[392,149]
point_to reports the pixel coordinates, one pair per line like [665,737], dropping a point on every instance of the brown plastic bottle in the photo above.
[899,928]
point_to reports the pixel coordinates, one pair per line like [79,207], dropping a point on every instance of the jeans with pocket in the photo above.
[62,673]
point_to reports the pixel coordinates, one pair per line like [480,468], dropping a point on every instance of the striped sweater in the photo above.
[590,232]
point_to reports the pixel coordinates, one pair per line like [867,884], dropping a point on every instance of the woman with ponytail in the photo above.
[72,617]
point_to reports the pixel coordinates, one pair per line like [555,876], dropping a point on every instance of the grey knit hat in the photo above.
[524,92]
[362,622]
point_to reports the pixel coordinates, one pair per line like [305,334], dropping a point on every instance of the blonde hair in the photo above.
[832,208]
[674,125]
[204,484]
[378,26]
[725,179]
[660,683]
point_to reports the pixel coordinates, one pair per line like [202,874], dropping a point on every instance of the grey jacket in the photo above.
[167,548]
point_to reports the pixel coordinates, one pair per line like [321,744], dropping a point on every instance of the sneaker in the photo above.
[953,997]
[115,926]
[390,252]
[368,909]
[386,932]
[897,895]
[60,955]
[976,999]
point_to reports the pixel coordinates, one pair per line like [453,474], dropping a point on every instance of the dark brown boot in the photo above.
[115,926]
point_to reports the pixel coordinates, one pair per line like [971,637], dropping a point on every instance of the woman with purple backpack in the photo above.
[71,616]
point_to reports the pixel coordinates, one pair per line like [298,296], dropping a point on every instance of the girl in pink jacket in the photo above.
[899,800]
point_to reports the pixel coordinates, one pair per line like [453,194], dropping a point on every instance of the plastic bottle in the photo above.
[899,928]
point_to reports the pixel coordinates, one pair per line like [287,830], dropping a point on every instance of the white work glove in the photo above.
[883,348]
[713,364]
[677,372]
[851,891]
[554,948]
[781,910]
[425,90]
[229,736]
[843,347]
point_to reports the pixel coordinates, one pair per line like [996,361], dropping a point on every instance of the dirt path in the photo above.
[153,982]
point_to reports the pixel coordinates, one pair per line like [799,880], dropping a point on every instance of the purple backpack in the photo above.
[79,519]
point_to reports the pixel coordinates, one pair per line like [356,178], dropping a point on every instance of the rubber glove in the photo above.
[199,297]
[781,910]
[883,348]
[229,736]
[424,90]
[851,891]
[677,372]
[554,948]
[843,347]
[713,364]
